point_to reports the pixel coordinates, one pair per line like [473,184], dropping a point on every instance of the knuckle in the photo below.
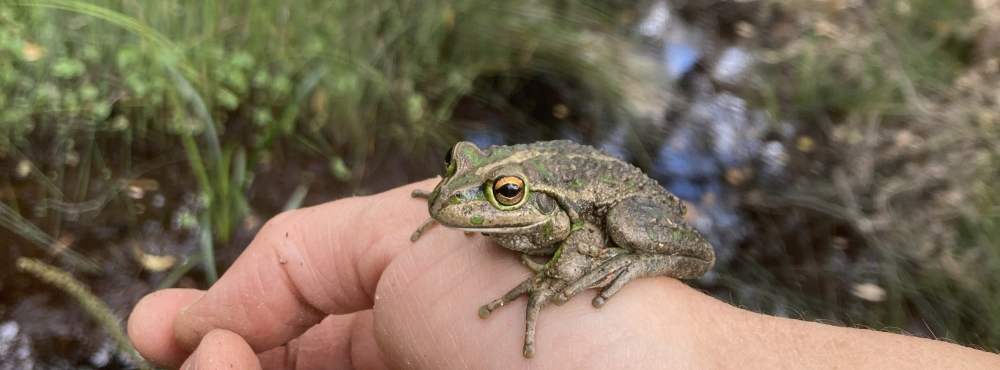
[280,222]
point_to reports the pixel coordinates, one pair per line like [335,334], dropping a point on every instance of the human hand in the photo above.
[341,286]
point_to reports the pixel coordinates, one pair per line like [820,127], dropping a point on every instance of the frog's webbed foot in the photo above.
[620,270]
[539,290]
[422,194]
[423,228]
[535,267]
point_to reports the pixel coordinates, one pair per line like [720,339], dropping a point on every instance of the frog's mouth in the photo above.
[504,229]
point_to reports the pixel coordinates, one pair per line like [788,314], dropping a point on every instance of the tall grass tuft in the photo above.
[93,305]
[241,79]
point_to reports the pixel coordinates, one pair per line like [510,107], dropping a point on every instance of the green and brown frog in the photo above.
[598,221]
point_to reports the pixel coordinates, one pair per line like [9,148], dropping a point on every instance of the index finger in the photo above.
[304,265]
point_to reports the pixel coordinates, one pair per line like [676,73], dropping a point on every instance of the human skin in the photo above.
[340,285]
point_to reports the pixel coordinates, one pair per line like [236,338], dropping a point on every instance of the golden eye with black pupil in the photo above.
[508,190]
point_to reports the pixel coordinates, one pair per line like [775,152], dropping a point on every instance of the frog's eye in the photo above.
[449,164]
[508,190]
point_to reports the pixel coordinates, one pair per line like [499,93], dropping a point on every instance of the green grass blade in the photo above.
[13,221]
[90,303]
[207,246]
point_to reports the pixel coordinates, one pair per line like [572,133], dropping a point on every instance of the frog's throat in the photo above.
[503,229]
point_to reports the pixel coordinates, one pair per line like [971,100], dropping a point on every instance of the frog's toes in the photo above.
[534,266]
[420,230]
[521,289]
[536,300]
[619,271]
[629,273]
[561,297]
[596,277]
[422,194]
[598,301]
[529,350]
[485,311]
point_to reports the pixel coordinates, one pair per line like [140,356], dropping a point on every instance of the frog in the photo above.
[595,221]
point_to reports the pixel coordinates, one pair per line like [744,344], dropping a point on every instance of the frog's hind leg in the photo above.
[644,265]
[612,269]
[649,225]
[661,244]
[622,269]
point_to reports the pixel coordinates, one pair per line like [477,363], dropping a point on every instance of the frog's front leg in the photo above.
[421,229]
[423,194]
[582,251]
[527,248]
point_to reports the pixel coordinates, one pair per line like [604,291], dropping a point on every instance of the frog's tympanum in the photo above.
[597,221]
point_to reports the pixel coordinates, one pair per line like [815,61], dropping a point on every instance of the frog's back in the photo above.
[594,176]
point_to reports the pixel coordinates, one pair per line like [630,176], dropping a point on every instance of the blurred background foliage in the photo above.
[841,154]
